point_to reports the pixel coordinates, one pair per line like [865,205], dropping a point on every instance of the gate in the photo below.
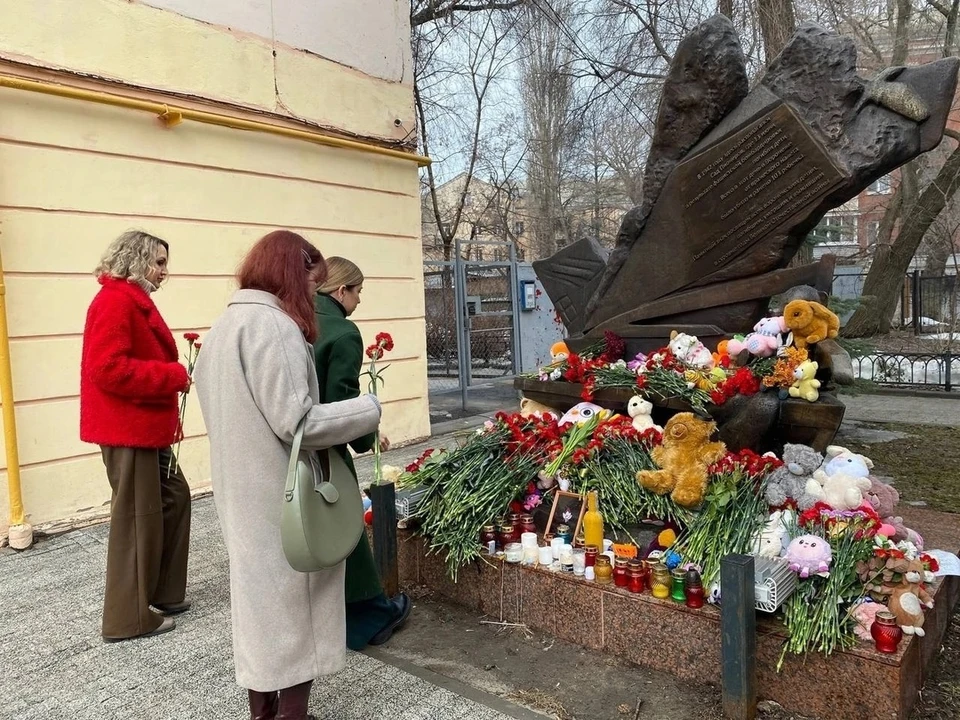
[471,309]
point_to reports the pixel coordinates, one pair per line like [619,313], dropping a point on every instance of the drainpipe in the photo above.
[20,534]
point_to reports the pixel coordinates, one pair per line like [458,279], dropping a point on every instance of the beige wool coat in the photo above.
[256,380]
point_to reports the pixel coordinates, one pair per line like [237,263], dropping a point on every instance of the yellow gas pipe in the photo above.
[171,116]
[20,534]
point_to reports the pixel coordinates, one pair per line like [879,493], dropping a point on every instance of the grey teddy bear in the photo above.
[789,481]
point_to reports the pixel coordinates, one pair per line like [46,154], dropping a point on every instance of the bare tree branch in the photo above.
[433,10]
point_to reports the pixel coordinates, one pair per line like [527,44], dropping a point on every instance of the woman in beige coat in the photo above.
[256,380]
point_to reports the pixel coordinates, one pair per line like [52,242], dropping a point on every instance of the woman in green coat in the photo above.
[372,617]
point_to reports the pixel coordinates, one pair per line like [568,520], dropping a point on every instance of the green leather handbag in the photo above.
[322,517]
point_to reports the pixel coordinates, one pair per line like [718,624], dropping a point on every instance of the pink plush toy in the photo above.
[764,341]
[809,555]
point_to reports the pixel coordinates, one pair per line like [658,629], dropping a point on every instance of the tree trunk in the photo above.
[778,22]
[725,7]
[881,289]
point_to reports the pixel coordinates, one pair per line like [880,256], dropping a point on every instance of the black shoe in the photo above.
[384,635]
[166,626]
[174,608]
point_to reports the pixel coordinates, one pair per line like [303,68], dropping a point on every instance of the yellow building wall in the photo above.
[73,175]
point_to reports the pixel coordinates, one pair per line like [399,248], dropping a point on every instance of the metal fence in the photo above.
[928,303]
[934,371]
[471,308]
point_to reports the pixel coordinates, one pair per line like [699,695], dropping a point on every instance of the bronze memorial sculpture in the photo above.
[735,180]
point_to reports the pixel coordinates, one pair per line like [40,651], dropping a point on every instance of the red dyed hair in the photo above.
[284,264]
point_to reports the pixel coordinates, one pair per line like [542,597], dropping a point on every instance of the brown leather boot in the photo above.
[263,705]
[294,701]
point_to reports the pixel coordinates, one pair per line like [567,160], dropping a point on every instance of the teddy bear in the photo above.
[843,480]
[810,322]
[690,351]
[774,537]
[531,408]
[883,498]
[809,555]
[764,341]
[901,533]
[640,410]
[684,457]
[789,481]
[909,598]
[805,384]
[840,491]
[840,459]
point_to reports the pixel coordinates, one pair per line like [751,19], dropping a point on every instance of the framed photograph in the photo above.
[568,509]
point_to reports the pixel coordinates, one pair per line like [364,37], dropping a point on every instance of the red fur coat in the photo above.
[129,372]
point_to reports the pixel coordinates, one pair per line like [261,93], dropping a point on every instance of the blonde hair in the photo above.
[340,271]
[131,256]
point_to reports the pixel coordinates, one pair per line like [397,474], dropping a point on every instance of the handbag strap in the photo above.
[294,457]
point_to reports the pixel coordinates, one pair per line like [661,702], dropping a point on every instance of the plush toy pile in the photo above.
[774,357]
[826,516]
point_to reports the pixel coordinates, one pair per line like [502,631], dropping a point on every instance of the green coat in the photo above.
[339,357]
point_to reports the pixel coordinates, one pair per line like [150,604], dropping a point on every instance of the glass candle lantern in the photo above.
[603,570]
[660,582]
[677,591]
[531,554]
[555,545]
[506,536]
[579,561]
[545,556]
[693,589]
[488,534]
[635,576]
[620,572]
[591,554]
[566,558]
[527,525]
[513,519]
[563,531]
[514,552]
[885,632]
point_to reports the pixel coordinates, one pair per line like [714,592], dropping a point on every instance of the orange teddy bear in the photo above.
[684,458]
[810,322]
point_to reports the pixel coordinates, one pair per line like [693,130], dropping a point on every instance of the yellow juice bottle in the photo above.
[593,523]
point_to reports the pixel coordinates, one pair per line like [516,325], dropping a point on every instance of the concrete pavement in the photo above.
[53,664]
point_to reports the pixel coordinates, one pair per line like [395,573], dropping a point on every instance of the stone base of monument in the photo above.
[762,423]
[669,637]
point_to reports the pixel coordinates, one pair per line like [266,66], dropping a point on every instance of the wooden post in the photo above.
[383,500]
[738,644]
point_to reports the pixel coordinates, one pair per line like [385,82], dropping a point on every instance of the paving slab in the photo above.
[53,663]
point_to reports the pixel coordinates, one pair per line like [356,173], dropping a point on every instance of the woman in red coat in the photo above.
[130,379]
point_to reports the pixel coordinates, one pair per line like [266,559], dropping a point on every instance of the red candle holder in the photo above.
[886,633]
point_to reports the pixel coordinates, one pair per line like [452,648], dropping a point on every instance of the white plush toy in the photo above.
[690,351]
[774,537]
[840,460]
[640,410]
[843,481]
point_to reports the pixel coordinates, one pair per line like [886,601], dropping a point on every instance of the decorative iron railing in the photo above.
[918,370]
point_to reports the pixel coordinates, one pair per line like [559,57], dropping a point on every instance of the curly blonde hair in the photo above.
[131,256]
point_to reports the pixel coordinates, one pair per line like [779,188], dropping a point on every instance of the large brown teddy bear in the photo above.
[684,457]
[810,322]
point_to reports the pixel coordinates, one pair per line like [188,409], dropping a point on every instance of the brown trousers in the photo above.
[149,539]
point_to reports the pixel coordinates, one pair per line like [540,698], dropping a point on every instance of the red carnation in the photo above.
[384,340]
[191,337]
[373,352]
